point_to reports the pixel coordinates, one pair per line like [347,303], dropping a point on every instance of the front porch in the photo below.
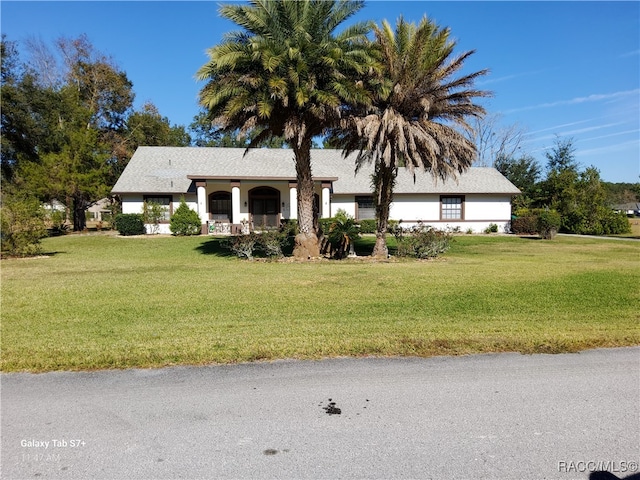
[237,206]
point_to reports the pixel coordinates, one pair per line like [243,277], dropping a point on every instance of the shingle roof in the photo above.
[171,170]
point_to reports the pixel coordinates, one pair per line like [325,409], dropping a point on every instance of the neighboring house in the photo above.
[629,209]
[95,211]
[232,191]
[98,209]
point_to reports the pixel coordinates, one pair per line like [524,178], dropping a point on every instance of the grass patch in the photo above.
[105,301]
[634,223]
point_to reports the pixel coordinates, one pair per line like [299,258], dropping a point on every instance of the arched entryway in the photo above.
[220,206]
[264,207]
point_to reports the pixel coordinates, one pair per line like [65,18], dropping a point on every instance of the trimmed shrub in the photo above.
[130,224]
[271,243]
[185,221]
[548,223]
[492,228]
[422,241]
[616,223]
[525,225]
[368,225]
[242,245]
[289,227]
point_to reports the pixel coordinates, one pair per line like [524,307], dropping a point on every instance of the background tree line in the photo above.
[69,126]
[584,202]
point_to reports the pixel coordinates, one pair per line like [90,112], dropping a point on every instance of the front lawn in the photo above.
[104,301]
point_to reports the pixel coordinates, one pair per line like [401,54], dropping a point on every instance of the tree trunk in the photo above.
[79,219]
[306,242]
[384,182]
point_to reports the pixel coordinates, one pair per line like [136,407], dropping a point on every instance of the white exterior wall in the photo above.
[132,203]
[135,204]
[343,202]
[412,208]
[479,211]
[484,207]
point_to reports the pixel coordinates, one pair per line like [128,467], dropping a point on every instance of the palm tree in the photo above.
[287,74]
[418,108]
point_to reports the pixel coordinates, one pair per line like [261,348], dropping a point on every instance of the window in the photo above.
[165,201]
[220,206]
[451,208]
[366,208]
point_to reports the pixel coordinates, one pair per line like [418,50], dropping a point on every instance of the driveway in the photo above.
[498,416]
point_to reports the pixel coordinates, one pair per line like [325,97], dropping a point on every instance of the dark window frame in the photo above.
[443,203]
[360,201]
[154,198]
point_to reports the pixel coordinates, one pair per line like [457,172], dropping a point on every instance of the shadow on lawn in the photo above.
[214,246]
[5,255]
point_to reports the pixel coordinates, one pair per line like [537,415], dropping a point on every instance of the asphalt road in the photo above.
[505,416]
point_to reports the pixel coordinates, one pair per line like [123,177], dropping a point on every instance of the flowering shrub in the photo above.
[422,241]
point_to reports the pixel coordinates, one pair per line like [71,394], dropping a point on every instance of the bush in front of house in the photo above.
[185,221]
[153,213]
[548,223]
[289,227]
[492,228]
[22,223]
[271,243]
[242,245]
[268,243]
[526,225]
[422,241]
[130,224]
[368,225]
[342,234]
[525,222]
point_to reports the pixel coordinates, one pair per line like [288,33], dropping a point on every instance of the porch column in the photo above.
[293,200]
[201,188]
[235,201]
[325,209]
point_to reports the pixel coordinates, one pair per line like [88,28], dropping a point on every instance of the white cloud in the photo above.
[571,133]
[556,127]
[578,100]
[617,134]
[505,78]
[610,148]
[630,54]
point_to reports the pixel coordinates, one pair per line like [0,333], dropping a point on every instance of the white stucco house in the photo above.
[231,191]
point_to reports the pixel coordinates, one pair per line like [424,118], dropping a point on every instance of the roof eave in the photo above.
[256,178]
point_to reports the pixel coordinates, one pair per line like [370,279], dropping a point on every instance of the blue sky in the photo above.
[568,69]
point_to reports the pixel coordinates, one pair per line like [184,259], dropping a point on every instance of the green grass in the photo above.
[105,301]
